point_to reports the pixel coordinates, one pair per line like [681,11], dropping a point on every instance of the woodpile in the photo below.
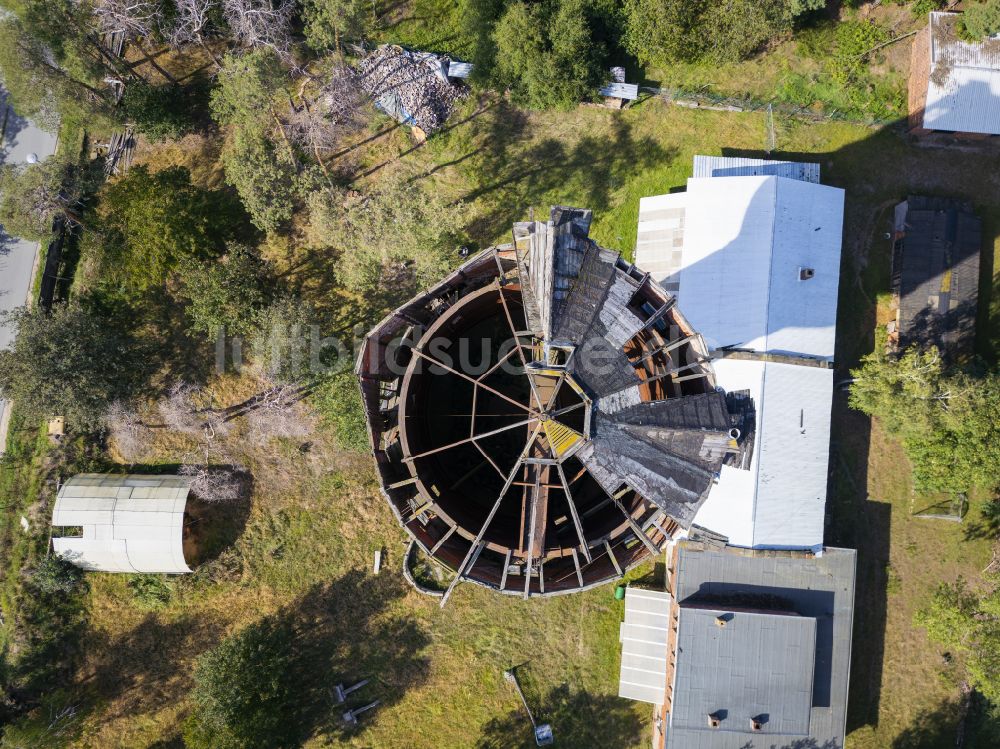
[412,87]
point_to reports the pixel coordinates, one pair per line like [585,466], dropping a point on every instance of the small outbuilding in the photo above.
[935,275]
[123,523]
[954,85]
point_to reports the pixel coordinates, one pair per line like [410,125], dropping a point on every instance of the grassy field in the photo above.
[302,551]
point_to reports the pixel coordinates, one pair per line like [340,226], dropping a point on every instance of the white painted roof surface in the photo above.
[644,645]
[131,523]
[779,503]
[732,248]
[963,88]
[746,239]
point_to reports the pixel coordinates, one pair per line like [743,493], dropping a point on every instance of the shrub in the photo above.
[244,695]
[53,574]
[73,361]
[980,21]
[151,592]
[151,221]
[338,400]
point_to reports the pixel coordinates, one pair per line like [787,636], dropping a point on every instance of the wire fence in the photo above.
[705,98]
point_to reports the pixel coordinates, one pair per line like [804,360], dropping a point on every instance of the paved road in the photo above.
[17,256]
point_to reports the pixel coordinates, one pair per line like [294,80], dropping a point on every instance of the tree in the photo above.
[191,21]
[126,429]
[980,21]
[227,293]
[319,125]
[736,29]
[285,342]
[969,622]
[548,59]
[133,18]
[32,196]
[328,21]
[73,361]
[949,422]
[263,175]
[150,221]
[664,30]
[245,694]
[247,85]
[46,81]
[260,23]
[397,238]
[218,484]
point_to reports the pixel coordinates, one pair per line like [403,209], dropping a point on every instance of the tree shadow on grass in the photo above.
[510,177]
[337,633]
[578,719]
[987,525]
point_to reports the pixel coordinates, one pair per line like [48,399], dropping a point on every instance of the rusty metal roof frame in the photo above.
[564,461]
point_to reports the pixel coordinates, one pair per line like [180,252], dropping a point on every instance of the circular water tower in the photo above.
[544,418]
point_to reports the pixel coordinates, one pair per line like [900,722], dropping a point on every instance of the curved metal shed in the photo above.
[131,523]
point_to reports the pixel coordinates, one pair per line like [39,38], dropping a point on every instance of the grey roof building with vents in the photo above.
[763,648]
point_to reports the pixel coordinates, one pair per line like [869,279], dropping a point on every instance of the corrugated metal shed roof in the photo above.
[131,523]
[746,242]
[936,273]
[963,88]
[458,69]
[620,90]
[729,166]
[644,645]
[818,587]
[755,665]
[735,248]
[780,502]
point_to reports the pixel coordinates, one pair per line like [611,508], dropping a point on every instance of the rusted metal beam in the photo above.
[445,537]
[614,560]
[579,572]
[506,568]
[489,519]
[471,379]
[466,440]
[576,517]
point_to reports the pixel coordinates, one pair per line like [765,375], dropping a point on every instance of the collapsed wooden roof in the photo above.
[584,432]
[935,274]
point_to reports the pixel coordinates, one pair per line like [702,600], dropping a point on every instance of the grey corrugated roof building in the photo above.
[935,274]
[763,648]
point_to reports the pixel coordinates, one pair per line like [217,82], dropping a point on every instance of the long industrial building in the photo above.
[749,642]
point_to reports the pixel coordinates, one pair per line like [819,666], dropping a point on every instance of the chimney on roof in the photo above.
[806,273]
[757,723]
[720,621]
[714,721]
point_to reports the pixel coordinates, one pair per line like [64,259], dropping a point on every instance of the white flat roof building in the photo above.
[131,523]
[755,264]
